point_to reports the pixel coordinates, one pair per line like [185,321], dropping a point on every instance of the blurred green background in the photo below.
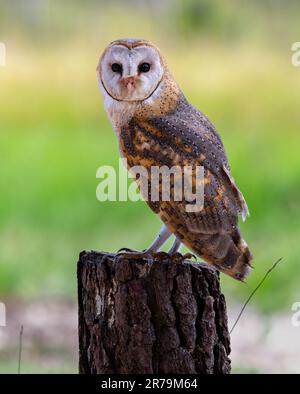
[232,60]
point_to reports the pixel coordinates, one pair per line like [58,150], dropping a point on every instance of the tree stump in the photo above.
[162,316]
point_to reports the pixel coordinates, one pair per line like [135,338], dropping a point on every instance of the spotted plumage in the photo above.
[157,126]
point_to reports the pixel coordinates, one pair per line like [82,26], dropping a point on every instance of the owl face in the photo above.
[130,70]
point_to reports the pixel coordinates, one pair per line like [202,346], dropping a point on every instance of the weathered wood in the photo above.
[138,316]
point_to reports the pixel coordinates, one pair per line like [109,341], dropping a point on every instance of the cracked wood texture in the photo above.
[163,316]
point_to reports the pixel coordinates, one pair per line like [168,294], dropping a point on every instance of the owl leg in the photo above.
[175,247]
[162,237]
[176,255]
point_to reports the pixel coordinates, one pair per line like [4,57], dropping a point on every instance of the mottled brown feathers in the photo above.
[184,136]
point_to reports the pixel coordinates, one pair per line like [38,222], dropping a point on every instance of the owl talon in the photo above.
[132,255]
[179,258]
[189,256]
[129,254]
[128,250]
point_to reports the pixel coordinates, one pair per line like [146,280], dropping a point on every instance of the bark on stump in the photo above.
[137,316]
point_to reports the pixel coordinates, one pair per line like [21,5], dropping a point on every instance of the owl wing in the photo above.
[193,137]
[212,232]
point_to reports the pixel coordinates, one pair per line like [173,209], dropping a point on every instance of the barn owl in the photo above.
[157,126]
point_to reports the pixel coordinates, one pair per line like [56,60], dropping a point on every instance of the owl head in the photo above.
[130,70]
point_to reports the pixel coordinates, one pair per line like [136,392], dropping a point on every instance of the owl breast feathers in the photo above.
[165,130]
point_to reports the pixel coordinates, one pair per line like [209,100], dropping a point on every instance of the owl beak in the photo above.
[129,83]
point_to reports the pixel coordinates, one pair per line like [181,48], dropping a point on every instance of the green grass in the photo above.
[37,368]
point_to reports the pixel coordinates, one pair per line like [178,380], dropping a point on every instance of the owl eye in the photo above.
[116,68]
[144,67]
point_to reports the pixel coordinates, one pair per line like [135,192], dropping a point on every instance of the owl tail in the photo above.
[229,253]
[241,258]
